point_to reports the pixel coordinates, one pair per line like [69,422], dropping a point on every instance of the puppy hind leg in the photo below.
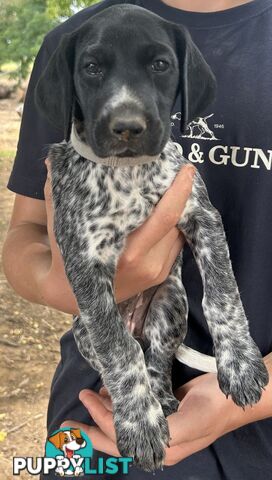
[165,329]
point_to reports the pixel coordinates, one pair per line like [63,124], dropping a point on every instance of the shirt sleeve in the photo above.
[36,134]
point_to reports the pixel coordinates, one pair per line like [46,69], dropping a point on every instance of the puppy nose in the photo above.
[126,129]
[80,441]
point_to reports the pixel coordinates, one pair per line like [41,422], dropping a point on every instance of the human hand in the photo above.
[204,415]
[150,250]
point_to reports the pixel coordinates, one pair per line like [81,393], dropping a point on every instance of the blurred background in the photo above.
[29,334]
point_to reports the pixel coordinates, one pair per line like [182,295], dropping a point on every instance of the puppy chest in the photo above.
[98,206]
[124,198]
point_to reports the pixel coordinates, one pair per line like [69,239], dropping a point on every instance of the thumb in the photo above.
[193,421]
[168,211]
[48,166]
[99,412]
[82,426]
[48,193]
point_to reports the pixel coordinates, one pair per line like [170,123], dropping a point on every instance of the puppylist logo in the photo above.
[68,453]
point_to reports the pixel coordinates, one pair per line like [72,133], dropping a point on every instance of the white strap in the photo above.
[195,359]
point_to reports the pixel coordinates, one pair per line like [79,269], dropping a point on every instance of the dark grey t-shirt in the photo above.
[231,145]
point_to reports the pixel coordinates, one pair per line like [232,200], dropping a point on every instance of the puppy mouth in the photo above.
[127,152]
[123,149]
[69,453]
[106,146]
[131,148]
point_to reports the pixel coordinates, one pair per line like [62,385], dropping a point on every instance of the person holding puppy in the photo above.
[230,146]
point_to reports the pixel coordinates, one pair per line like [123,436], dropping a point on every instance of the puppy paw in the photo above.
[243,375]
[143,436]
[168,402]
[169,405]
[162,390]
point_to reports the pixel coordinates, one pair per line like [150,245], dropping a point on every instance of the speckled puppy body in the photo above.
[96,207]
[116,80]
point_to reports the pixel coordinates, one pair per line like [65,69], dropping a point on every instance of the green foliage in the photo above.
[23,25]
[65,8]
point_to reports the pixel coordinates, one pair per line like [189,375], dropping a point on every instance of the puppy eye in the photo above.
[160,66]
[93,69]
[66,440]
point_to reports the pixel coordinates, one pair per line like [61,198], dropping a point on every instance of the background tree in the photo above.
[23,25]
[60,8]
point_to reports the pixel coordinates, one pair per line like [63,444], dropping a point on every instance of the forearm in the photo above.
[26,259]
[27,262]
[34,268]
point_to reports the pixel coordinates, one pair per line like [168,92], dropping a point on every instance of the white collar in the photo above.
[85,151]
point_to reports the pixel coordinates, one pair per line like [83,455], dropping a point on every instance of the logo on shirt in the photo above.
[68,453]
[201,128]
[198,128]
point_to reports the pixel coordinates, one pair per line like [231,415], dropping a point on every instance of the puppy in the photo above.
[107,176]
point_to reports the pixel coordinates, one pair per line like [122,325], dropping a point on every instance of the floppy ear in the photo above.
[56,439]
[76,432]
[197,82]
[54,93]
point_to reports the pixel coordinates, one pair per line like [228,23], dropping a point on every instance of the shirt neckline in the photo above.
[208,20]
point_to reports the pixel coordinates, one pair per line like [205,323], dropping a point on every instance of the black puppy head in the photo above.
[118,77]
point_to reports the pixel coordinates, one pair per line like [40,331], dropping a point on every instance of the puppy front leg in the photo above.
[141,428]
[241,370]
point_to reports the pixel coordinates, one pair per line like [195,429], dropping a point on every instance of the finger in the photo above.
[180,431]
[104,392]
[49,209]
[48,164]
[159,250]
[182,391]
[174,252]
[82,426]
[169,239]
[106,401]
[168,211]
[178,453]
[165,244]
[102,443]
[105,398]
[102,395]
[48,191]
[47,185]
[100,414]
[192,421]
[99,440]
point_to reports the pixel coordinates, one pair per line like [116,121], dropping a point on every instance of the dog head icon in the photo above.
[68,441]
